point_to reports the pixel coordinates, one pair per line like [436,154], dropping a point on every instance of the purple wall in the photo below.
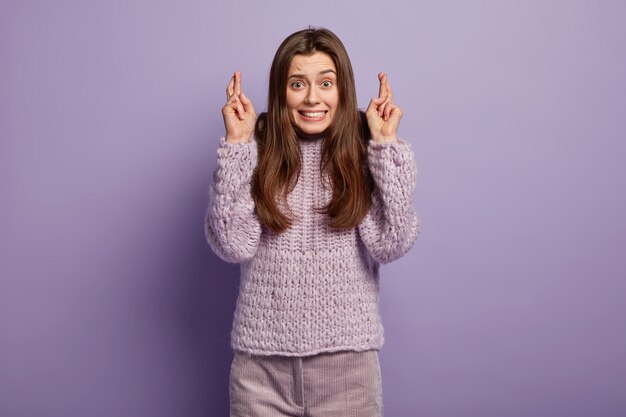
[511,304]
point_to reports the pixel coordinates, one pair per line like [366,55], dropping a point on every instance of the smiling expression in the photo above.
[312,94]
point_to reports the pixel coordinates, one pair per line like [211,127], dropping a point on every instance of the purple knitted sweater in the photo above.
[310,289]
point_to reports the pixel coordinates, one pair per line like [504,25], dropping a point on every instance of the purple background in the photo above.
[512,303]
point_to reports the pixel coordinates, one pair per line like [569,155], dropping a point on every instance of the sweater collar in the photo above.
[309,136]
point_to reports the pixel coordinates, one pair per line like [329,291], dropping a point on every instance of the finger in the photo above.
[388,86]
[389,109]
[381,108]
[230,88]
[240,110]
[395,113]
[230,109]
[386,93]
[381,87]
[374,104]
[385,88]
[237,106]
[237,82]
[384,105]
[247,103]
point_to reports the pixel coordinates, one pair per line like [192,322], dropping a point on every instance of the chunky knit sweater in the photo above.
[310,289]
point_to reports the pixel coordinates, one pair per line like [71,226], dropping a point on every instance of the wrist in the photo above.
[236,140]
[385,139]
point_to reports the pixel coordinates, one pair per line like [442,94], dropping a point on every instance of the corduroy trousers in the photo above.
[338,384]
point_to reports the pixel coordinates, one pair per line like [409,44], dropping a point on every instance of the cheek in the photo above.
[289,104]
[334,105]
[334,101]
[291,100]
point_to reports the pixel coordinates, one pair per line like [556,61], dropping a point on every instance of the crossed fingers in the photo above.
[384,92]
[232,95]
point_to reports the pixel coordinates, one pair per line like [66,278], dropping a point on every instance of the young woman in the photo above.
[310,198]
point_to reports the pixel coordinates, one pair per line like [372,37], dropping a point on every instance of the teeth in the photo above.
[316,114]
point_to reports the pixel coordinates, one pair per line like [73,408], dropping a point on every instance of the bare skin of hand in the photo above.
[238,112]
[383,116]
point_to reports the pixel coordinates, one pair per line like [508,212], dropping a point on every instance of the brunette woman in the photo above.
[310,198]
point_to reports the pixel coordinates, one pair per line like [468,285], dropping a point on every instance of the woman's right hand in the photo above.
[238,112]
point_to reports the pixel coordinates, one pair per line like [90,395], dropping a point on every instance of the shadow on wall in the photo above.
[215,314]
[207,301]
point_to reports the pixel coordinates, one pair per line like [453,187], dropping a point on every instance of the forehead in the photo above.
[311,64]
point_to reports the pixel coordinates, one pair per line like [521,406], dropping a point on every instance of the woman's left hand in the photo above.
[383,116]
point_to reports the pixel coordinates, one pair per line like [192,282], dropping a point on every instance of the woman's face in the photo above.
[312,94]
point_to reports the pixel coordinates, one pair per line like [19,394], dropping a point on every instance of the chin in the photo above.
[313,130]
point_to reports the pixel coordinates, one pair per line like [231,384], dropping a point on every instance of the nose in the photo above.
[311,97]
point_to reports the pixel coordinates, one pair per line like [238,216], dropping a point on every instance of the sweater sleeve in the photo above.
[392,225]
[231,225]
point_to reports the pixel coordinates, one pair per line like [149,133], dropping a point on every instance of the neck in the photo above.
[309,136]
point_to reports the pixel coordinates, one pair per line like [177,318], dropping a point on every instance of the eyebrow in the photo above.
[319,73]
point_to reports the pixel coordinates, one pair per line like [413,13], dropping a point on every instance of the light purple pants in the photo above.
[339,384]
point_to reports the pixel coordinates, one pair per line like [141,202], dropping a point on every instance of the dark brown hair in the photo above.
[344,150]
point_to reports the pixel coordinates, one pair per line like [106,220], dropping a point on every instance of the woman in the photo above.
[310,199]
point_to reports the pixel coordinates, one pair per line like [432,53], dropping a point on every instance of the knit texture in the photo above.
[310,289]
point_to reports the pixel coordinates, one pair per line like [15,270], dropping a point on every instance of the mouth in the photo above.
[313,116]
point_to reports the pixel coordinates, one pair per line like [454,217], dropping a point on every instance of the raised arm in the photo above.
[231,227]
[391,226]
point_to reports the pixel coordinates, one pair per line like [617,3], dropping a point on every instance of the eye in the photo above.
[297,84]
[327,84]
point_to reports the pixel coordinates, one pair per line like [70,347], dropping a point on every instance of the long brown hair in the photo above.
[344,150]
